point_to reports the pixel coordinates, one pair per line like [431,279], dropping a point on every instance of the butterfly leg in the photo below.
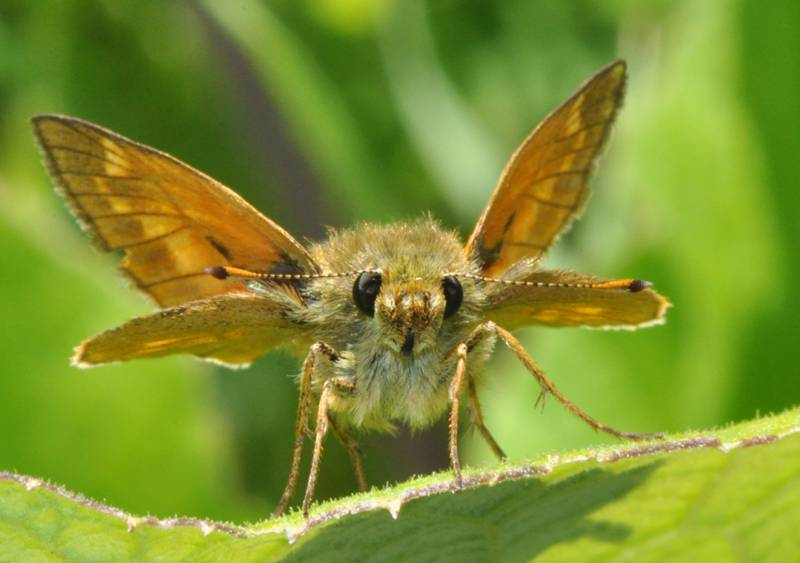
[353,450]
[455,403]
[481,342]
[549,387]
[341,384]
[319,350]
[477,419]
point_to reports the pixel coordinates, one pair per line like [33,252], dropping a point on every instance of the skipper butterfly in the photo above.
[395,322]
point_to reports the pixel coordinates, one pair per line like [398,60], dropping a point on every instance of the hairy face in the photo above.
[410,313]
[408,298]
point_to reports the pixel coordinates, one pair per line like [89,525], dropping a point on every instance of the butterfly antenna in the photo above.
[225,272]
[628,284]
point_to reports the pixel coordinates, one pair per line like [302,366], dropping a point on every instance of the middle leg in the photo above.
[353,450]
[548,386]
[477,419]
[480,338]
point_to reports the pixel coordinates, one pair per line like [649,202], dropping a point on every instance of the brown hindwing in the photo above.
[557,298]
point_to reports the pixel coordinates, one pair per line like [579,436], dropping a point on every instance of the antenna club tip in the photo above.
[638,285]
[218,272]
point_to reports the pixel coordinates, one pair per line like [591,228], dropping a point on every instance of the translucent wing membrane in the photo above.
[171,221]
[559,304]
[234,329]
[544,185]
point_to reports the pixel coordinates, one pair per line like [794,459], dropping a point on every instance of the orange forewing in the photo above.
[544,185]
[234,328]
[171,220]
[560,303]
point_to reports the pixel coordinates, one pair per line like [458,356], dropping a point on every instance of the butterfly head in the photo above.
[408,313]
[401,297]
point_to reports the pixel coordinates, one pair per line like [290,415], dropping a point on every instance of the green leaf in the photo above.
[719,495]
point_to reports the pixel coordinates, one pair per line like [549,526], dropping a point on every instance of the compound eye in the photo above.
[365,291]
[453,295]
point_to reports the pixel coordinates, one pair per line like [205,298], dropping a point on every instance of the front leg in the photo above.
[455,393]
[341,385]
[319,351]
[481,336]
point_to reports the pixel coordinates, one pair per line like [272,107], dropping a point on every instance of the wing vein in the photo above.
[576,151]
[92,139]
[97,175]
[560,173]
[151,239]
[174,278]
[115,194]
[139,214]
[527,244]
[537,199]
[602,122]
[84,153]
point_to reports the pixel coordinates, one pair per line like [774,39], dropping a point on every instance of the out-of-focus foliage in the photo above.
[335,111]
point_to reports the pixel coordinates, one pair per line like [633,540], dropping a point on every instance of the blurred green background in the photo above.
[327,112]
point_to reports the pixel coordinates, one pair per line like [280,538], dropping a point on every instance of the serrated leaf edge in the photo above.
[294,526]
